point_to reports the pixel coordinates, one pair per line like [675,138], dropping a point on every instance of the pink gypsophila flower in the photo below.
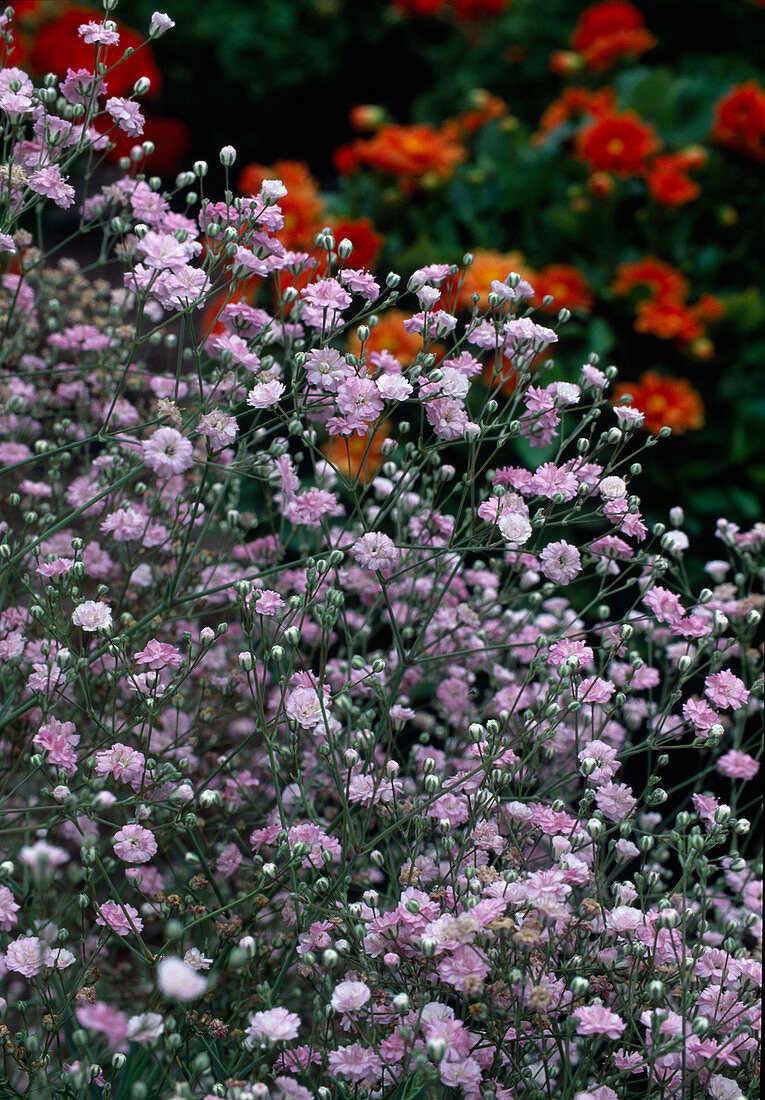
[122,919]
[726,690]
[51,184]
[375,551]
[168,452]
[99,33]
[738,765]
[134,844]
[598,1020]
[27,956]
[92,615]
[350,996]
[275,1025]
[561,562]
[127,114]
[9,907]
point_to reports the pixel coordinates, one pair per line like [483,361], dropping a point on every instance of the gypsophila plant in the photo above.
[324,777]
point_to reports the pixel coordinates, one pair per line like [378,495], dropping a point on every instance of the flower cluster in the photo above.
[431,780]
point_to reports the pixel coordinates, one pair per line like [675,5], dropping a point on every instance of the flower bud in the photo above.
[227,155]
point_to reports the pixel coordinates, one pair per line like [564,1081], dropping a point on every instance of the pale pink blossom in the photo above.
[134,844]
[168,452]
[178,981]
[92,615]
[275,1025]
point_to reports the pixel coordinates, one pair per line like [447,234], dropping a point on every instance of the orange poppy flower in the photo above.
[358,457]
[618,143]
[407,152]
[740,120]
[665,402]
[567,286]
[609,31]
[659,277]
[302,206]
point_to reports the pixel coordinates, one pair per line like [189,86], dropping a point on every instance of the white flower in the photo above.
[92,615]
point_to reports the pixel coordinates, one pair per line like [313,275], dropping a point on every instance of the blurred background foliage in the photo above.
[612,153]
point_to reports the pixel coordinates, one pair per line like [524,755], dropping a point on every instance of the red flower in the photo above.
[617,143]
[665,402]
[57,46]
[171,138]
[740,120]
[567,286]
[659,277]
[575,102]
[608,31]
[668,319]
[367,242]
[668,181]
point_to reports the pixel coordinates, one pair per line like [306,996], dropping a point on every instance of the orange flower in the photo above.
[668,181]
[573,103]
[740,120]
[486,267]
[659,277]
[608,31]
[487,108]
[664,402]
[567,286]
[389,335]
[302,205]
[668,319]
[407,152]
[618,143]
[367,242]
[358,457]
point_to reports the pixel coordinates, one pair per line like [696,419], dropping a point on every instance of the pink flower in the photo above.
[159,24]
[127,114]
[603,756]
[168,452]
[560,562]
[98,33]
[355,1063]
[598,1020]
[9,907]
[738,765]
[159,655]
[265,394]
[50,183]
[220,430]
[122,762]
[27,956]
[178,981]
[275,1025]
[375,551]
[121,918]
[350,996]
[59,741]
[549,480]
[616,801]
[726,690]
[665,605]
[134,844]
[92,615]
